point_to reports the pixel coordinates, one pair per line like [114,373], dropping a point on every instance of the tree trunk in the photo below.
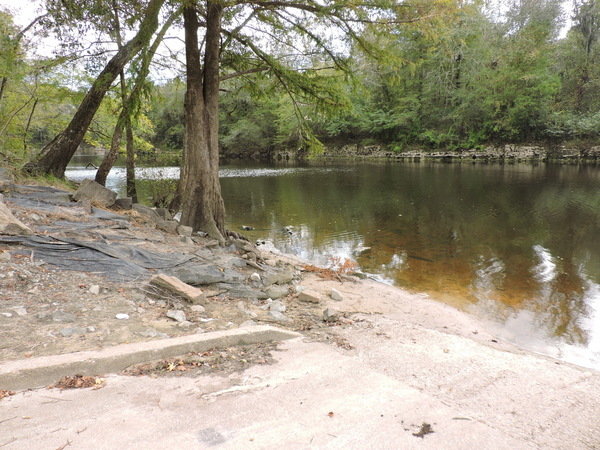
[130,162]
[110,158]
[57,154]
[203,207]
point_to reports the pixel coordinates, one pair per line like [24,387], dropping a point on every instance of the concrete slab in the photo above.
[44,371]
[314,397]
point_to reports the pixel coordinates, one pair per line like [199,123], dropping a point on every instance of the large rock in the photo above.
[274,276]
[202,274]
[178,287]
[95,193]
[10,225]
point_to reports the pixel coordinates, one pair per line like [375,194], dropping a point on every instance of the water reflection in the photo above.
[516,245]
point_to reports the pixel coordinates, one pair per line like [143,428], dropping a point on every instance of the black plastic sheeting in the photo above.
[119,262]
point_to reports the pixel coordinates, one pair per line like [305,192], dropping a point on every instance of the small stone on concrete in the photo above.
[248,323]
[122,316]
[5,314]
[176,314]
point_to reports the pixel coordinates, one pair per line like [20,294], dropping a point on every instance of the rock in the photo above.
[20,310]
[5,314]
[336,295]
[186,240]
[198,309]
[170,226]
[279,317]
[66,332]
[122,316]
[65,317]
[202,274]
[124,203]
[248,323]
[242,307]
[255,277]
[95,193]
[5,255]
[178,287]
[94,289]
[276,292]
[35,217]
[177,314]
[164,213]
[150,333]
[331,315]
[147,212]
[309,296]
[277,306]
[185,324]
[242,291]
[184,230]
[278,277]
[10,225]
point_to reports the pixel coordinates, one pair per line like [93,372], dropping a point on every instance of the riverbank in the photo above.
[376,364]
[501,153]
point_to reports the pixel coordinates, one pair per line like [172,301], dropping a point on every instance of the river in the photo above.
[516,245]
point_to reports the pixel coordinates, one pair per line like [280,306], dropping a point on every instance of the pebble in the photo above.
[336,295]
[255,277]
[276,305]
[122,316]
[66,332]
[198,308]
[94,289]
[177,315]
[5,256]
[279,317]
[331,315]
[5,314]
[20,310]
[61,316]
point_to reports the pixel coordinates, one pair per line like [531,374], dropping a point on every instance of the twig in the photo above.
[63,446]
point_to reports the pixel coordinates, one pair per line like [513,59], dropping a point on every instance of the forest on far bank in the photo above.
[466,74]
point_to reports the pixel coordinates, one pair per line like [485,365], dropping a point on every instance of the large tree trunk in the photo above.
[57,154]
[203,207]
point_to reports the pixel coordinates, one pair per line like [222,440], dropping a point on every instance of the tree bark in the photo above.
[56,155]
[203,206]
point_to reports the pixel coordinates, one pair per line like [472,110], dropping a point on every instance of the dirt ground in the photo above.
[46,310]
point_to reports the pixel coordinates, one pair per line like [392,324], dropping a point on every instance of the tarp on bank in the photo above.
[119,262]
